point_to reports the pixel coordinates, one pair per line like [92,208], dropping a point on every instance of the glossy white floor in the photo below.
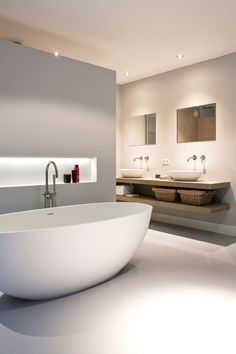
[178,295]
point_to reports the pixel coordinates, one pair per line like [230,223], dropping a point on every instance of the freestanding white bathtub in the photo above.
[52,252]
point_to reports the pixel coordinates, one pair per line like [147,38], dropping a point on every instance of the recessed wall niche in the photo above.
[30,171]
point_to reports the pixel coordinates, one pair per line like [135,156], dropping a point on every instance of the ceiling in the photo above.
[141,37]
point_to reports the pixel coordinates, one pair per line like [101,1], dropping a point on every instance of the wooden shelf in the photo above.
[203,185]
[206,209]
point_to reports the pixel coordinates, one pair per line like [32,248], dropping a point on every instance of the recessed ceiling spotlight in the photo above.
[56,53]
[180,56]
[126,73]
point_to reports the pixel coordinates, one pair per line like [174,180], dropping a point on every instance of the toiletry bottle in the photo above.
[67,178]
[76,174]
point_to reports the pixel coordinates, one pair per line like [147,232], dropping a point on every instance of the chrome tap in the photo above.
[50,197]
[146,158]
[203,162]
[194,157]
[138,158]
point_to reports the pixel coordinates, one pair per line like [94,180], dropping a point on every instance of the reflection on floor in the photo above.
[178,295]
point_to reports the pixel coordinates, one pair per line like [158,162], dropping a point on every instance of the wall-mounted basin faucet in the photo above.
[138,158]
[194,158]
[50,197]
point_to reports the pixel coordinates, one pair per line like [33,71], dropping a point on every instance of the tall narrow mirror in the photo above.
[141,130]
[196,123]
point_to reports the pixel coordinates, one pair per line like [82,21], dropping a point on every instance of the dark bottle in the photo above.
[67,178]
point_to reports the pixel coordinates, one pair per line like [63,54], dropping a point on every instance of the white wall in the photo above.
[207,82]
[118,127]
[56,107]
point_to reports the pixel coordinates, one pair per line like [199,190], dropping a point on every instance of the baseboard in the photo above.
[195,224]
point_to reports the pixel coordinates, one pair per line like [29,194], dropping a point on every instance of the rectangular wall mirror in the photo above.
[141,130]
[196,123]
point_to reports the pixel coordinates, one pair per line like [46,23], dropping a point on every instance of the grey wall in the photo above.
[56,107]
[207,82]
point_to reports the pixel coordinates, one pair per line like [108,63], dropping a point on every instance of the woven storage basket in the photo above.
[165,194]
[195,197]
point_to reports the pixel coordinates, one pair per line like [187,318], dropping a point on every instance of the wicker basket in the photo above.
[195,197]
[165,194]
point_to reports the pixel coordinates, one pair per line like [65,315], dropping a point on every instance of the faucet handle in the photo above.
[146,158]
[47,195]
[203,162]
[194,157]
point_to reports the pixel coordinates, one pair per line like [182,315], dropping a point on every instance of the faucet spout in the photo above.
[194,157]
[138,158]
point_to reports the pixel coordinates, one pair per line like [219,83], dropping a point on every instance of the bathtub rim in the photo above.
[145,207]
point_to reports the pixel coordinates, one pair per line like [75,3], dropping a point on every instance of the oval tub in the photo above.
[52,252]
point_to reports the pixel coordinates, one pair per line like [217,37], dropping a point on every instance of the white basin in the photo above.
[132,172]
[185,175]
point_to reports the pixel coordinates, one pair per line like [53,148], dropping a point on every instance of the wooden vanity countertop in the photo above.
[200,184]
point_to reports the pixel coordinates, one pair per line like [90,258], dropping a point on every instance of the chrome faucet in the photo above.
[203,162]
[50,197]
[194,157]
[146,158]
[138,158]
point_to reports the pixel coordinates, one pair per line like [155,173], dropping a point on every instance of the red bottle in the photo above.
[76,173]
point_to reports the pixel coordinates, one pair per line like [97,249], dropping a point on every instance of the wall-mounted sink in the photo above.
[185,175]
[132,172]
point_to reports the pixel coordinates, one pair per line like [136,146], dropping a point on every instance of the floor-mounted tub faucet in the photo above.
[50,197]
[194,158]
